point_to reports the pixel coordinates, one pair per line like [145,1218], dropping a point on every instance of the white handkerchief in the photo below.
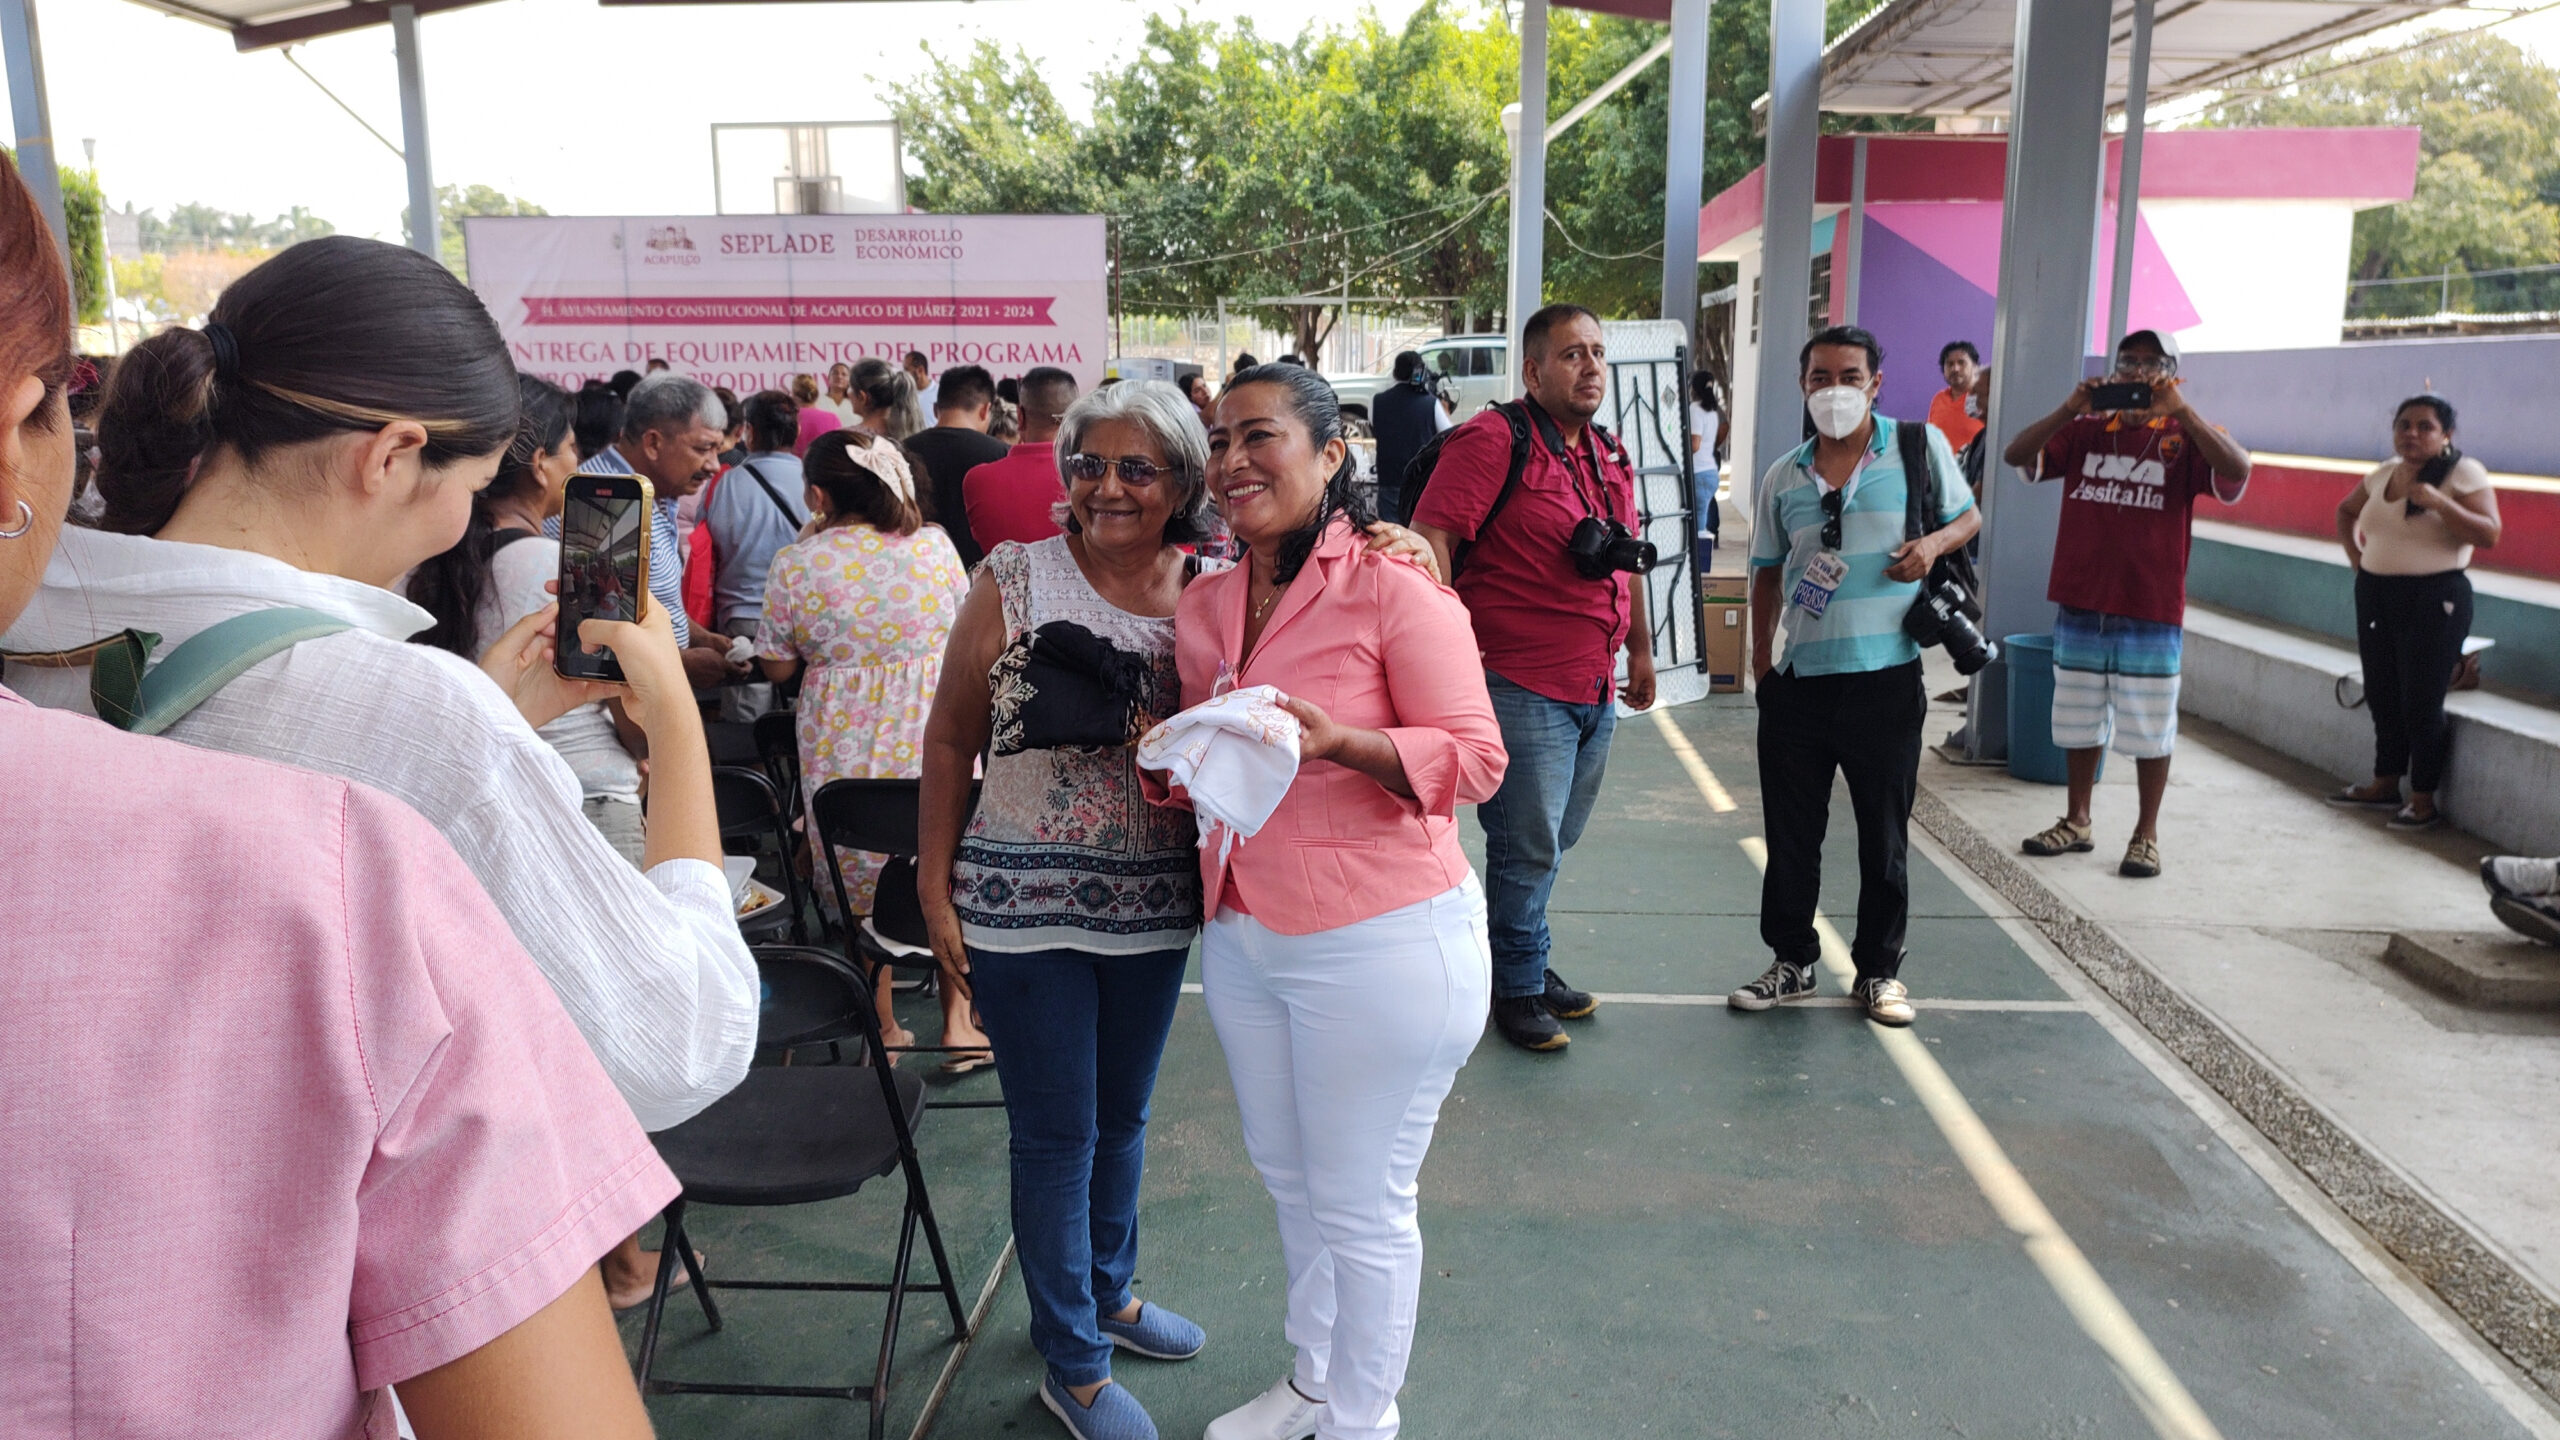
[1235,755]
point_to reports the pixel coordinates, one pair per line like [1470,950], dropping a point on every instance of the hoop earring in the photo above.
[26,522]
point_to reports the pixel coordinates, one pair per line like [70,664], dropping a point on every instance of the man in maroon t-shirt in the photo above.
[1550,635]
[2131,479]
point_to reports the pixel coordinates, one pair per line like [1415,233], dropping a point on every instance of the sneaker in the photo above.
[1279,1413]
[2408,818]
[1157,1333]
[1887,1002]
[1564,1002]
[1524,1021]
[1780,983]
[2060,838]
[2535,917]
[1115,1414]
[2141,858]
[2520,875]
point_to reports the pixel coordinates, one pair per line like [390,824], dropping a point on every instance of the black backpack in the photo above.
[1520,415]
[1923,508]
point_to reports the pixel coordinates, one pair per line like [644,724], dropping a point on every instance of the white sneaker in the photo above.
[2520,874]
[1279,1413]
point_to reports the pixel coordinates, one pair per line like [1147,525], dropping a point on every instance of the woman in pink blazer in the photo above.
[1345,954]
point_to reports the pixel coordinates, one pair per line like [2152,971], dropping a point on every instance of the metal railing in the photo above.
[2517,290]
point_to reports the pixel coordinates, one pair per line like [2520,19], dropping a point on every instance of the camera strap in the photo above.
[1922,506]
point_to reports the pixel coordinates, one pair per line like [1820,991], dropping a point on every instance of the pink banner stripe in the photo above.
[787,310]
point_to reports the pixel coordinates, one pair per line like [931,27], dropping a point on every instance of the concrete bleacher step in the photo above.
[2280,688]
[2486,968]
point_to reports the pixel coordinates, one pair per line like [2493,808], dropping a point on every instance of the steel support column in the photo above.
[32,116]
[1786,226]
[1684,165]
[425,230]
[1528,184]
[2040,331]
[2137,105]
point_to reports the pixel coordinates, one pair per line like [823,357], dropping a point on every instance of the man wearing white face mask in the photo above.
[1830,565]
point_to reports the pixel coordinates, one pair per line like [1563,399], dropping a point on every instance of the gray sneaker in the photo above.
[1777,985]
[1887,1002]
[2520,875]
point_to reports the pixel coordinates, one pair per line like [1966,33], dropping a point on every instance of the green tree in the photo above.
[453,203]
[84,212]
[2488,115]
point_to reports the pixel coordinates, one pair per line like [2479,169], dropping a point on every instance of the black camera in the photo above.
[1938,618]
[1601,548]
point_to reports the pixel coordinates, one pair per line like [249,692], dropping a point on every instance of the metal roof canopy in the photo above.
[259,24]
[1957,57]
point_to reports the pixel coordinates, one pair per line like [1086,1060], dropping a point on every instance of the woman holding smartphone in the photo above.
[322,435]
[376,1154]
[2409,530]
[1347,965]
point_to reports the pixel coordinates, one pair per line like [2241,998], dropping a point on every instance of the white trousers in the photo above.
[1342,1044]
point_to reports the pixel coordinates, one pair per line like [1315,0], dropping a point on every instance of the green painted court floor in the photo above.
[1690,1223]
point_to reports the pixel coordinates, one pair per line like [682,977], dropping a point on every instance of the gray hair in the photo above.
[1166,415]
[666,398]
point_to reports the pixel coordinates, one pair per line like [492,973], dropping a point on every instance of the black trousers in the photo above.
[1865,726]
[2410,629]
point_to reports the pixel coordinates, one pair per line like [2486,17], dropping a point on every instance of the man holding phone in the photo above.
[2133,457]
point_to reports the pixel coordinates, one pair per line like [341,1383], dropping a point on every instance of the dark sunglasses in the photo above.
[1832,504]
[1136,472]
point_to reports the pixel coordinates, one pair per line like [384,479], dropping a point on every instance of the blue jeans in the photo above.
[1558,754]
[1077,1037]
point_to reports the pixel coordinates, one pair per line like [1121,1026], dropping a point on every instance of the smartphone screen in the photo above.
[604,565]
[2128,395]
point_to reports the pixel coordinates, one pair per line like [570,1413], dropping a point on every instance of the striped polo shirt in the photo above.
[666,547]
[1861,629]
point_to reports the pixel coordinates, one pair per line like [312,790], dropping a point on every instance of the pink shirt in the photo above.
[1375,644]
[1015,498]
[815,421]
[288,1114]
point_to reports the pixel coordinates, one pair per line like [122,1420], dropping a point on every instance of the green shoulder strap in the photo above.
[146,702]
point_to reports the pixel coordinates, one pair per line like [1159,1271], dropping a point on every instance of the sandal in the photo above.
[2408,818]
[968,1062]
[2141,859]
[2061,838]
[2356,797]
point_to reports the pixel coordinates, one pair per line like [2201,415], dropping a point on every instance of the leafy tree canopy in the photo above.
[2489,170]
[453,203]
[1240,164]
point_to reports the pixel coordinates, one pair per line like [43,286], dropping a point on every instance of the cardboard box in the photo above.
[1724,630]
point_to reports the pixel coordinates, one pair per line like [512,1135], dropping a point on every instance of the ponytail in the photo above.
[334,336]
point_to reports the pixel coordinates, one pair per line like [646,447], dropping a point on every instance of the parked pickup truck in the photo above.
[1471,370]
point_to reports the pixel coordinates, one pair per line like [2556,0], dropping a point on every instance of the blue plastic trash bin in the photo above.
[2032,753]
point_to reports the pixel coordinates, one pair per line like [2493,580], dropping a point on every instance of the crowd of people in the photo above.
[440,936]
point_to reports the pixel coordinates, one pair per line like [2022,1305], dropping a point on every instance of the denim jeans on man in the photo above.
[1558,754]
[1077,1036]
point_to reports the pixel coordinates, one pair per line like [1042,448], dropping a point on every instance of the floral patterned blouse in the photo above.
[869,614]
[1064,853]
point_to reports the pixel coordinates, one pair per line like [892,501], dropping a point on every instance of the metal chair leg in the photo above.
[658,1297]
[680,1244]
[920,1206]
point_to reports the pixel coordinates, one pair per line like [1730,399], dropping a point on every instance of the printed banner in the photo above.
[748,301]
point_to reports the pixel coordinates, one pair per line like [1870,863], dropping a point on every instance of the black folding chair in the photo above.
[778,746]
[796,1135]
[751,814]
[881,816]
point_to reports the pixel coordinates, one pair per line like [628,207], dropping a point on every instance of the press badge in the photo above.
[1821,580]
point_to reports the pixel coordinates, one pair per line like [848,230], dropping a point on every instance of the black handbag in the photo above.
[1062,687]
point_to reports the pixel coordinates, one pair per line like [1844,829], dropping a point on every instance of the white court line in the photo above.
[1713,789]
[2451,1333]
[1830,1002]
[2154,1388]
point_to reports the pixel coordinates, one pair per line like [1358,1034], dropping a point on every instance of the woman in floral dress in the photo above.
[865,598]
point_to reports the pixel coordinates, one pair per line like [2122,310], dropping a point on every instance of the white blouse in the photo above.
[2395,542]
[651,968]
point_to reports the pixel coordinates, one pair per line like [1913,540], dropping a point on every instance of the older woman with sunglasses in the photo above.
[1068,904]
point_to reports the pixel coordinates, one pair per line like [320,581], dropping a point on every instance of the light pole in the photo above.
[115,337]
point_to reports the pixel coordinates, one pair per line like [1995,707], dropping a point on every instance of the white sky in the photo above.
[576,107]
[581,109]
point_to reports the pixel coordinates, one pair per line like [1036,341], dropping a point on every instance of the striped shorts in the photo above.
[2115,679]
